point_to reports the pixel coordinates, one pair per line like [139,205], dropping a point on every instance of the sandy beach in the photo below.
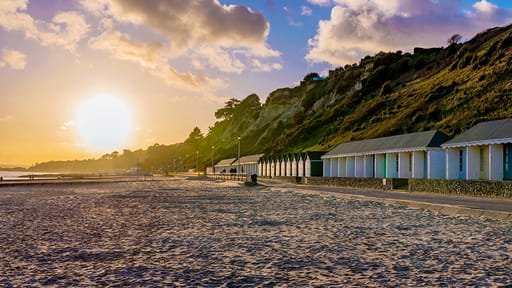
[219,234]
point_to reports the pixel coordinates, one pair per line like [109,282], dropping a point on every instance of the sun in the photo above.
[104,123]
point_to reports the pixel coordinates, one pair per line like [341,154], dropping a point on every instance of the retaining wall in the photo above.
[479,188]
[373,183]
[290,179]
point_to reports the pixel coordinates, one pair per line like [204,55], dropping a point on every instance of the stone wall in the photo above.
[373,183]
[493,189]
[478,188]
[290,179]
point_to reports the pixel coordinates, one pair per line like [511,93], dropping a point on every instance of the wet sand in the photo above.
[219,234]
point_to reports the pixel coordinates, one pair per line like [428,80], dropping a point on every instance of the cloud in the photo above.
[226,38]
[485,7]
[306,11]
[65,30]
[189,24]
[13,59]
[358,28]
[258,66]
[153,56]
[224,60]
[320,2]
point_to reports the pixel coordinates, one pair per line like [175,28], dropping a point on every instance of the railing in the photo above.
[231,176]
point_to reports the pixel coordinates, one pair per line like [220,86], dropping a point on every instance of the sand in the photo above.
[219,234]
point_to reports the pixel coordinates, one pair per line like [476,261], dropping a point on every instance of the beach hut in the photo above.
[273,162]
[263,163]
[300,165]
[289,161]
[313,164]
[250,163]
[414,155]
[282,162]
[278,165]
[269,166]
[295,162]
[225,165]
[482,152]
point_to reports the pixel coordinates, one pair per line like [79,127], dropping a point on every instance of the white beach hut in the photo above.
[300,165]
[282,160]
[289,161]
[294,165]
[225,165]
[250,163]
[482,152]
[415,155]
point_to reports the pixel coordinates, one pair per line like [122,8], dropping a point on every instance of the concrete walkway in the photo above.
[449,204]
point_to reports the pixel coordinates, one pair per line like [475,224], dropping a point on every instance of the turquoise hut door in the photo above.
[462,164]
[507,162]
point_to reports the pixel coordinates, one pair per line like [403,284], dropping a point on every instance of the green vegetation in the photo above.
[450,89]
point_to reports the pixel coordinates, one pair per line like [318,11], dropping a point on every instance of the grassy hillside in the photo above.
[450,89]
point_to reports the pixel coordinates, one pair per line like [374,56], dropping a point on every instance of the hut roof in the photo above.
[251,159]
[225,162]
[419,141]
[490,132]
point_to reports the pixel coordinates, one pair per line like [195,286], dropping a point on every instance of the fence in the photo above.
[231,176]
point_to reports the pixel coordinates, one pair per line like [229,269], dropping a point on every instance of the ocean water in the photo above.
[10,175]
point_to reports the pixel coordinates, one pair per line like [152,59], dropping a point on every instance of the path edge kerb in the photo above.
[442,208]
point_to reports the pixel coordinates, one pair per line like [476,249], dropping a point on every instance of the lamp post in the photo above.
[238,154]
[213,167]
[197,162]
[137,178]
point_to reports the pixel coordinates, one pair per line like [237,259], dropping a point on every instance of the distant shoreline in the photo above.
[13,169]
[27,175]
[72,181]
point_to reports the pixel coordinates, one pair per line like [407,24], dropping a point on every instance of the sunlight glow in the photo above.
[104,123]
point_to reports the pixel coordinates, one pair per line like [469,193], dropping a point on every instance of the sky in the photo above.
[80,78]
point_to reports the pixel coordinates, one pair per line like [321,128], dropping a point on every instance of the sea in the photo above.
[15,175]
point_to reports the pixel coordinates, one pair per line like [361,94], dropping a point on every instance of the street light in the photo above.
[197,162]
[238,154]
[213,167]
[137,178]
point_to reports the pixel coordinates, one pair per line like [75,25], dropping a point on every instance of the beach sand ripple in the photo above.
[215,234]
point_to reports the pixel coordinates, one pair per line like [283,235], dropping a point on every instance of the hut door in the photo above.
[507,162]
[462,164]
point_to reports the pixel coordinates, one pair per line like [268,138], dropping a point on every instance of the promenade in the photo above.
[449,204]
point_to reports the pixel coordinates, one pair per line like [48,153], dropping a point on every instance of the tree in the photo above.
[454,39]
[195,137]
[310,76]
[228,109]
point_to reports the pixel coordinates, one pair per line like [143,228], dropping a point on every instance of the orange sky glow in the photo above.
[161,74]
